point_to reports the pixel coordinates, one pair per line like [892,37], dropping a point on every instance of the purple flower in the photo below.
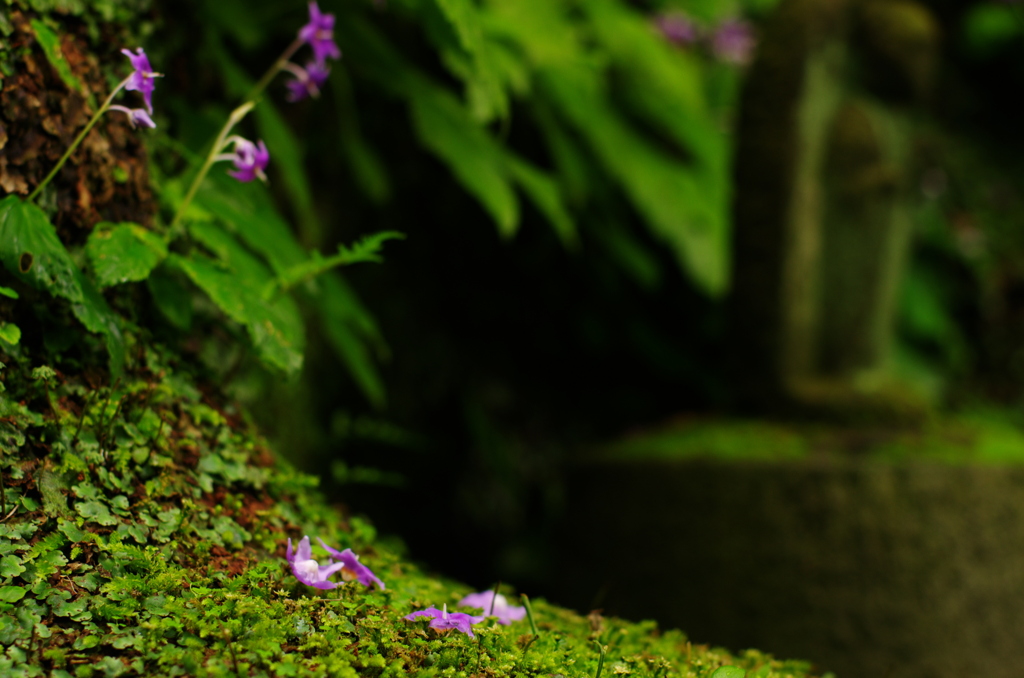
[505,613]
[250,159]
[319,34]
[677,28]
[307,570]
[443,620]
[351,568]
[733,41]
[142,79]
[136,116]
[308,80]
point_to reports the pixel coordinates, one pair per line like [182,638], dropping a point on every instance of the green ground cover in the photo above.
[143,533]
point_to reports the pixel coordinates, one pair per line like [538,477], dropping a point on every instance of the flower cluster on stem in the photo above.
[249,158]
[732,41]
[141,80]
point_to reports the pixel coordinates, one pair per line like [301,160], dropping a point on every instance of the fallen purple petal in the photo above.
[352,569]
[443,620]
[505,613]
[309,571]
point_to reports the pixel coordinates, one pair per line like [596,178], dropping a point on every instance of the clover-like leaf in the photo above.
[12,594]
[96,512]
[10,566]
[10,333]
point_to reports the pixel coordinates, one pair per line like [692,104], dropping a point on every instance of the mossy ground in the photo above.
[144,532]
[982,436]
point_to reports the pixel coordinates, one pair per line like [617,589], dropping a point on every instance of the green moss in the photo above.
[978,437]
[726,440]
[144,531]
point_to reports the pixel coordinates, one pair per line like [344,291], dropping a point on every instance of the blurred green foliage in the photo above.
[615,104]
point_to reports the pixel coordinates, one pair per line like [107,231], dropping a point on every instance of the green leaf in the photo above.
[666,192]
[442,124]
[12,594]
[445,128]
[729,672]
[96,512]
[124,252]
[31,250]
[543,191]
[484,91]
[365,250]
[350,327]
[249,213]
[10,333]
[236,285]
[8,292]
[50,42]
[573,164]
[72,531]
[10,566]
[540,28]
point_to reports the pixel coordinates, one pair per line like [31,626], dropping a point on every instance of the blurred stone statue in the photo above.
[821,218]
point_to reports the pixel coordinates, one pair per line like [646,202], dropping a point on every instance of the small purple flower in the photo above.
[319,34]
[443,620]
[308,80]
[309,571]
[351,567]
[136,116]
[733,42]
[505,613]
[142,79]
[250,160]
[677,28]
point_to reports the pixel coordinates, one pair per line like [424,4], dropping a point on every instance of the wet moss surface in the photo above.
[143,533]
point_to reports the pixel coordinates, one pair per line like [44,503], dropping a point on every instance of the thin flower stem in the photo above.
[273,70]
[529,613]
[600,660]
[218,145]
[494,598]
[78,139]
[235,117]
